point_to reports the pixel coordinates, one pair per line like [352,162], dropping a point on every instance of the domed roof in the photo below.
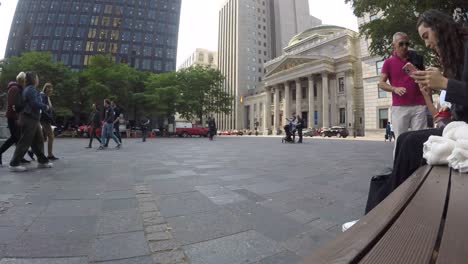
[318,30]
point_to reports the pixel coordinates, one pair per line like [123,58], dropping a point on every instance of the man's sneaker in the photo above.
[17,168]
[118,146]
[47,165]
[348,225]
[25,161]
[101,148]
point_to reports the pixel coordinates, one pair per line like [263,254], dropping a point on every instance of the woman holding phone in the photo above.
[449,41]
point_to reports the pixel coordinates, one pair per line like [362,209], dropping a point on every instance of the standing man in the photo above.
[31,131]
[144,122]
[95,122]
[408,105]
[212,127]
[15,90]
[108,127]
[117,112]
[47,120]
[299,126]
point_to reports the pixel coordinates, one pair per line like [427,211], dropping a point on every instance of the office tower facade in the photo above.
[142,33]
[251,32]
[202,57]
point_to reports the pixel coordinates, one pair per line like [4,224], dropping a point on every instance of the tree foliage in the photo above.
[202,94]
[398,16]
[194,92]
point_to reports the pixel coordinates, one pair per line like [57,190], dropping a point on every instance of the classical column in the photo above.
[287,101]
[298,97]
[325,107]
[276,106]
[267,111]
[350,112]
[311,118]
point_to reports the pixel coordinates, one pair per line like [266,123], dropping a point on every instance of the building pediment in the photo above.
[290,62]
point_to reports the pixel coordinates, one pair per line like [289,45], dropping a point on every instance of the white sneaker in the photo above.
[348,225]
[17,168]
[47,165]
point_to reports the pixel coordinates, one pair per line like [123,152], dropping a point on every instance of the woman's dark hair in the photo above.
[450,40]
[31,78]
[108,102]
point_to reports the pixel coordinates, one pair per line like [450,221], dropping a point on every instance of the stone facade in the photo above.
[202,57]
[249,34]
[319,77]
[377,102]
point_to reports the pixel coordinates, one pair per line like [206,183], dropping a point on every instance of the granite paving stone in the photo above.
[207,225]
[184,204]
[233,200]
[245,247]
[119,221]
[136,260]
[120,246]
[77,260]
[284,257]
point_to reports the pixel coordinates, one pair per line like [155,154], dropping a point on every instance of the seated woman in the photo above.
[449,41]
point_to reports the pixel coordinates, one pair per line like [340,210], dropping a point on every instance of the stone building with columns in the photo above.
[319,77]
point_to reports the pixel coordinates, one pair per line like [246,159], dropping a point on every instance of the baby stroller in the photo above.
[289,134]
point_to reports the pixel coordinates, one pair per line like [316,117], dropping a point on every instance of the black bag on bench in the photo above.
[379,190]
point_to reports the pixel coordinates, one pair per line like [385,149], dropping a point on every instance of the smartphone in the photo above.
[409,68]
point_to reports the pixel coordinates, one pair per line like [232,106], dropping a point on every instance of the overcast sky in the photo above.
[199,22]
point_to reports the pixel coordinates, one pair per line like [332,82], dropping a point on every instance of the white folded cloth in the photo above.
[451,148]
[459,157]
[437,149]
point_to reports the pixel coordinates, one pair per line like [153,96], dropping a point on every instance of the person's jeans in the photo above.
[93,135]
[49,135]
[31,136]
[14,135]
[117,131]
[405,118]
[107,131]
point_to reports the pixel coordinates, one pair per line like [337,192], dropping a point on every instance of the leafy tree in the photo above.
[161,95]
[201,92]
[64,80]
[398,15]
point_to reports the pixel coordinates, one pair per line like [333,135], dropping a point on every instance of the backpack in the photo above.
[19,100]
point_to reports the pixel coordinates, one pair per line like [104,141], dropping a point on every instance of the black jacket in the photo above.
[457,91]
[95,118]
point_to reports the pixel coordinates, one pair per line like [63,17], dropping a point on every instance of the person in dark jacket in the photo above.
[108,127]
[449,41]
[95,123]
[212,127]
[47,120]
[30,126]
[299,126]
[144,123]
[14,90]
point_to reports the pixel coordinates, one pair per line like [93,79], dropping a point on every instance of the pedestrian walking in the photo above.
[117,120]
[212,127]
[108,126]
[144,123]
[299,127]
[47,120]
[388,132]
[14,108]
[95,123]
[31,131]
[408,105]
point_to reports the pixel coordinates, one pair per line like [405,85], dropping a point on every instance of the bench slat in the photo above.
[349,245]
[411,239]
[454,245]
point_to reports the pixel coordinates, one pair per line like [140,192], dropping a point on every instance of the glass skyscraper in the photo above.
[142,33]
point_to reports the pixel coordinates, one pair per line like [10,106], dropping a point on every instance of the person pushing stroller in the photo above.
[290,129]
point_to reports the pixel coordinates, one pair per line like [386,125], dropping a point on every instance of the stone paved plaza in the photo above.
[173,200]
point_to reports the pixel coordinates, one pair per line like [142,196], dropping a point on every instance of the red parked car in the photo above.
[85,131]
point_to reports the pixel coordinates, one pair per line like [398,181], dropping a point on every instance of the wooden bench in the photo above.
[423,221]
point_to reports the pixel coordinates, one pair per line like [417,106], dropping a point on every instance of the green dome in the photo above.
[318,30]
